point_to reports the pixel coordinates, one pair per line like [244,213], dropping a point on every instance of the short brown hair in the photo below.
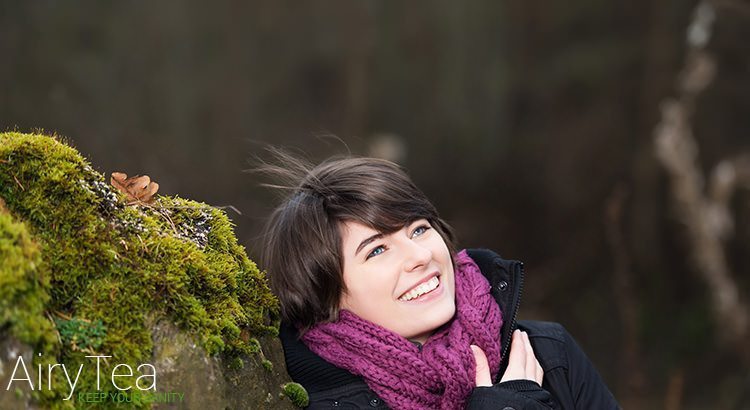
[302,238]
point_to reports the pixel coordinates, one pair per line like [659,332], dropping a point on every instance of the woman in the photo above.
[379,310]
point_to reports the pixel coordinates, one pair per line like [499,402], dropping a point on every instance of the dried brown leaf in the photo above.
[137,189]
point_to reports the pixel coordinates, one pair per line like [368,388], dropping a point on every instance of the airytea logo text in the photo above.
[144,388]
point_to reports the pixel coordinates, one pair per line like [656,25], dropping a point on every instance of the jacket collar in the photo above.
[506,281]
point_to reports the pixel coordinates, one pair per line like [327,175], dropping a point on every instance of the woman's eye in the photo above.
[375,252]
[420,230]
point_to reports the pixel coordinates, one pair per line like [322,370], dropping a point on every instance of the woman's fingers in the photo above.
[483,377]
[539,374]
[530,358]
[518,349]
[533,368]
[516,359]
[522,363]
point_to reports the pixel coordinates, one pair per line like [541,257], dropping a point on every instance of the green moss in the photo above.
[296,393]
[254,345]
[236,363]
[76,251]
[267,364]
[77,334]
[23,286]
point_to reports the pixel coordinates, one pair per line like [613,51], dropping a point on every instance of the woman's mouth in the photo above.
[421,290]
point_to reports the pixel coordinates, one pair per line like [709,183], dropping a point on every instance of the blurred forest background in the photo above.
[603,143]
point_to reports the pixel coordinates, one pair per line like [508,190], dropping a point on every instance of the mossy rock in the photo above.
[84,274]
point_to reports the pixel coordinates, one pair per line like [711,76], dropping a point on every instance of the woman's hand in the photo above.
[522,363]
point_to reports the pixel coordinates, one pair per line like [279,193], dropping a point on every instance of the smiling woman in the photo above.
[379,310]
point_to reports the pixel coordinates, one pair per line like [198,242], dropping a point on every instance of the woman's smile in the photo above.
[421,291]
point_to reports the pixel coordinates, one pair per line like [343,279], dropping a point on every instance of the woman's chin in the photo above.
[439,316]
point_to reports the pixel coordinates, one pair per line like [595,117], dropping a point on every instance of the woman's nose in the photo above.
[417,256]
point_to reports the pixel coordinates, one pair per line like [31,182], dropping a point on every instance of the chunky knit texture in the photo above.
[439,376]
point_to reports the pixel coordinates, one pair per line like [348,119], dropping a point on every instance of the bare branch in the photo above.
[705,212]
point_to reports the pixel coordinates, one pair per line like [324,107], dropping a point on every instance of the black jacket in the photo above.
[570,381]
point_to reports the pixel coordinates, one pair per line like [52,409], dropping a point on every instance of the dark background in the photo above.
[523,120]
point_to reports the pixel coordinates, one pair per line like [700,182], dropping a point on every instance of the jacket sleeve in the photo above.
[513,394]
[587,387]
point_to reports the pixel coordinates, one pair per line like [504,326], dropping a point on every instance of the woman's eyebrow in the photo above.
[367,241]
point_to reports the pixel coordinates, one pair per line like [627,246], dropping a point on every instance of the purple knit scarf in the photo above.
[443,373]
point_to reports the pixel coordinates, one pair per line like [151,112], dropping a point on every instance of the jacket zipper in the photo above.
[517,268]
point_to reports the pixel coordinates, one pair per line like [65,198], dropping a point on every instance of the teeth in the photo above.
[420,290]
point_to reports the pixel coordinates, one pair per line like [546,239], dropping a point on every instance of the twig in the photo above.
[230,207]
[706,217]
[62,315]
[57,332]
[18,182]
[164,214]
[625,297]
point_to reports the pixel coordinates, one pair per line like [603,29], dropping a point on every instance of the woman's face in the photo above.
[403,281]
